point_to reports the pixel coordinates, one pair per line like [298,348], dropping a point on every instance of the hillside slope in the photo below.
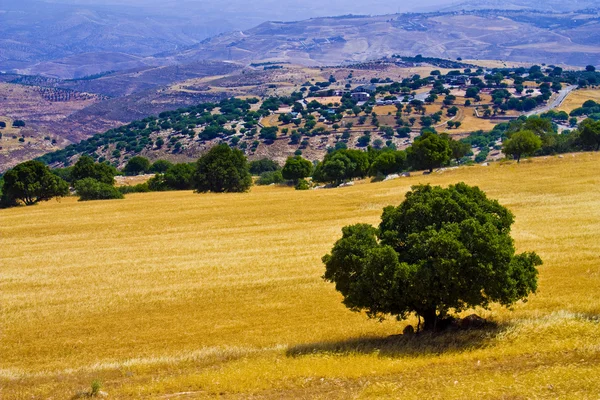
[186,296]
[503,35]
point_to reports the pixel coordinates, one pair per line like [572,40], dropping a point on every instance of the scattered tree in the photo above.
[522,143]
[31,182]
[222,169]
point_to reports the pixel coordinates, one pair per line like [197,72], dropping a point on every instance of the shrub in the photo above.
[91,189]
[270,177]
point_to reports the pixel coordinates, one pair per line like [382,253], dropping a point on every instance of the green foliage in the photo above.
[160,166]
[388,162]
[438,252]
[222,169]
[589,134]
[302,185]
[270,177]
[31,182]
[86,167]
[91,189]
[342,165]
[459,149]
[429,151]
[296,168]
[522,143]
[257,167]
[139,188]
[137,165]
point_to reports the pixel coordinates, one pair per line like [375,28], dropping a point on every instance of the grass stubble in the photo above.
[180,295]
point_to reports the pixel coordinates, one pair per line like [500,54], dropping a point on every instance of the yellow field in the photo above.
[180,295]
[576,99]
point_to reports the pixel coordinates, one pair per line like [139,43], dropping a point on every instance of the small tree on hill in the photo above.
[522,143]
[86,167]
[137,165]
[296,168]
[459,149]
[589,134]
[31,182]
[438,252]
[222,169]
[429,151]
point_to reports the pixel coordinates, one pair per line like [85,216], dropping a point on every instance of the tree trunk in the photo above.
[429,319]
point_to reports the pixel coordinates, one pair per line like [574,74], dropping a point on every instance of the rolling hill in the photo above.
[529,36]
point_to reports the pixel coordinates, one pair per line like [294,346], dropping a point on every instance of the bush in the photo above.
[139,188]
[263,165]
[302,185]
[160,166]
[270,177]
[91,189]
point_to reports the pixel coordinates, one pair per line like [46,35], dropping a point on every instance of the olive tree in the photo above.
[522,143]
[31,182]
[296,168]
[440,251]
[222,169]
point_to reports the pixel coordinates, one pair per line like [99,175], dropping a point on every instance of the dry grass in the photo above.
[576,99]
[179,295]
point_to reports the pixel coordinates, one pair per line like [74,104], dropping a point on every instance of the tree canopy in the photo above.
[137,165]
[296,168]
[31,182]
[522,143]
[222,169]
[429,151]
[440,251]
[86,167]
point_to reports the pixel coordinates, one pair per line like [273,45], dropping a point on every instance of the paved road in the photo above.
[562,95]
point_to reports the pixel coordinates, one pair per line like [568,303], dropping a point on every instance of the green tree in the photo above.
[388,162]
[296,168]
[91,189]
[257,167]
[459,149]
[342,165]
[86,167]
[521,143]
[589,134]
[160,166]
[429,151]
[180,177]
[440,251]
[222,169]
[137,165]
[31,182]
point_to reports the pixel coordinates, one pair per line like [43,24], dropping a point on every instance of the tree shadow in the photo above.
[424,343]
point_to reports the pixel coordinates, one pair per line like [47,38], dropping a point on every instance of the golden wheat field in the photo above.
[182,296]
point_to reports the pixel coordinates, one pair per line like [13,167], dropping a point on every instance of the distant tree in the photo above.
[257,167]
[91,189]
[439,252]
[270,177]
[459,149]
[522,143]
[2,124]
[388,162]
[342,165]
[137,165]
[17,123]
[222,169]
[589,134]
[590,68]
[86,167]
[296,168]
[160,166]
[31,182]
[180,177]
[429,151]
